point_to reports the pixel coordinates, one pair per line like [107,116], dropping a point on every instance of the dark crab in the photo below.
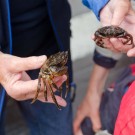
[54,66]
[112,32]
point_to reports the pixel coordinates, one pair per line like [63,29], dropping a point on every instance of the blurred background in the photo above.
[83,25]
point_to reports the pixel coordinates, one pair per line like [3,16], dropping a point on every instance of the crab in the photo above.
[112,32]
[54,66]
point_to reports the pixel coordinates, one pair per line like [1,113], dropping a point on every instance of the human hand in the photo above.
[18,83]
[89,107]
[119,13]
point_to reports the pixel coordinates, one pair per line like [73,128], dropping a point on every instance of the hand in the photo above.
[88,108]
[91,102]
[119,13]
[18,83]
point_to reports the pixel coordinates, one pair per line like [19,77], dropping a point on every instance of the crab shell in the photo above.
[110,31]
[59,59]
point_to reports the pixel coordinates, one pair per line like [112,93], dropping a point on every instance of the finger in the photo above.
[131,53]
[79,132]
[77,121]
[60,100]
[126,48]
[59,80]
[119,13]
[108,44]
[21,89]
[24,87]
[130,19]
[117,44]
[41,98]
[23,64]
[106,15]
[31,95]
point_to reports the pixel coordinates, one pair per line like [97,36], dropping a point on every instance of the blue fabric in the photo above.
[103,61]
[95,6]
[46,119]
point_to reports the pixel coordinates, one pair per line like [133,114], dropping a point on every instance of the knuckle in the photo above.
[14,64]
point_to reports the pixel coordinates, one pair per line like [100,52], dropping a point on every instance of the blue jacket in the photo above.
[95,6]
[61,28]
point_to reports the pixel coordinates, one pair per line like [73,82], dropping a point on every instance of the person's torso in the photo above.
[31,28]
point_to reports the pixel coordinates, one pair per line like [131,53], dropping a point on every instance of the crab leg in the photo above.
[129,38]
[53,97]
[56,87]
[38,89]
[99,42]
[45,90]
[67,85]
[60,88]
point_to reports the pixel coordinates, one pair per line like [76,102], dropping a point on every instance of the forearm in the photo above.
[97,79]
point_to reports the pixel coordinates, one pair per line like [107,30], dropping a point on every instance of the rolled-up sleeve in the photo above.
[95,6]
[106,58]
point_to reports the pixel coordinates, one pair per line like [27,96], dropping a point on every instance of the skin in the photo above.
[89,107]
[17,82]
[119,13]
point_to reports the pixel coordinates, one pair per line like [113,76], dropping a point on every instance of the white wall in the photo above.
[77,7]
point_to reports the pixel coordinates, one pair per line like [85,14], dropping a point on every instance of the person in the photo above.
[31,31]
[125,125]
[104,61]
[119,13]
[126,117]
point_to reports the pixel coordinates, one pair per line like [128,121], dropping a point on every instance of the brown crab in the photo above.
[112,32]
[54,66]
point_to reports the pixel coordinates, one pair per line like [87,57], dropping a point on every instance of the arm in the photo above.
[89,107]
[17,82]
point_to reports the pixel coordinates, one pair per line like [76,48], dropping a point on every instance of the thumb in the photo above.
[29,63]
[131,52]
[77,122]
[119,14]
